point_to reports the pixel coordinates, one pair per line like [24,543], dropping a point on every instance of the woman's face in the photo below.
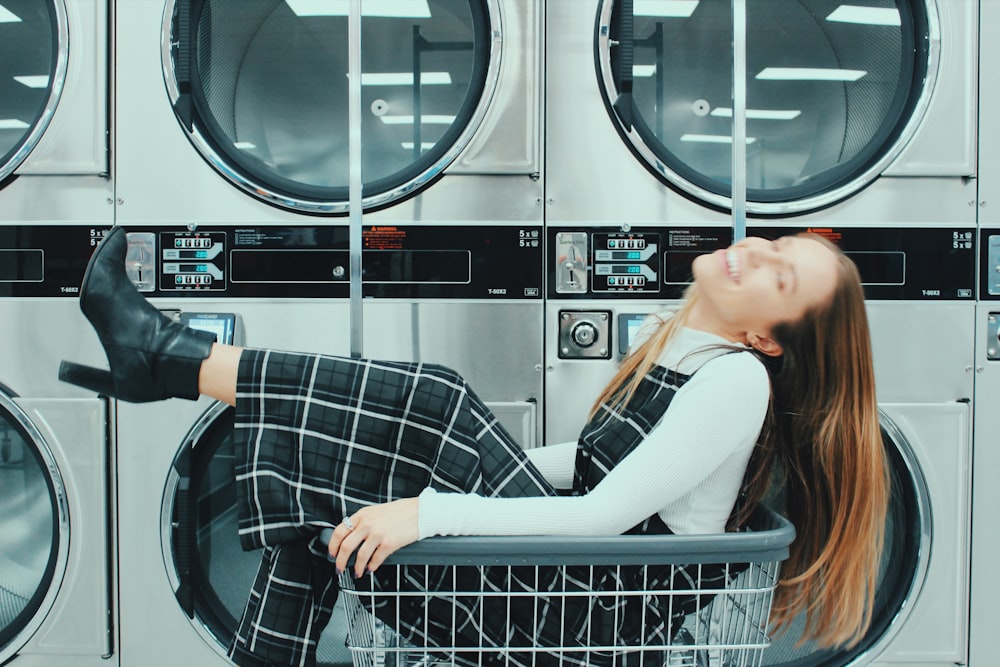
[748,288]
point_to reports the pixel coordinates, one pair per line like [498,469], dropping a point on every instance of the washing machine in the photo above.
[860,123]
[54,106]
[238,112]
[57,568]
[57,565]
[184,578]
[984,644]
[920,284]
[850,109]
[233,168]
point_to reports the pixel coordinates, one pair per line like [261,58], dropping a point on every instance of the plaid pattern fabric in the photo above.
[319,437]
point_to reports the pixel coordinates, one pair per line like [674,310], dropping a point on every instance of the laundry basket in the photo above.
[598,601]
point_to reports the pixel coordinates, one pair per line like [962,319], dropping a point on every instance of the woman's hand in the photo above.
[378,531]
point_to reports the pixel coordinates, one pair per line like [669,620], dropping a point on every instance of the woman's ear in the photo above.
[765,345]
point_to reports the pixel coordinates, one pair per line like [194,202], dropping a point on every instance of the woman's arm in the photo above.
[716,415]
[713,420]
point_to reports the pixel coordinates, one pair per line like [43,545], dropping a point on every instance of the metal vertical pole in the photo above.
[739,194]
[354,184]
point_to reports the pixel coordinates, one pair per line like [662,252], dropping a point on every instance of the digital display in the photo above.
[223,325]
[628,326]
[630,254]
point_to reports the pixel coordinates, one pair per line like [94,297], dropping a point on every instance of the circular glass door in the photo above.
[211,574]
[904,565]
[34,53]
[34,526]
[261,88]
[834,93]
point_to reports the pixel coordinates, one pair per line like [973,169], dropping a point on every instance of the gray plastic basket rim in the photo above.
[767,541]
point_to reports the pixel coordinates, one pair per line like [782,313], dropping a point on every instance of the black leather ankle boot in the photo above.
[151,356]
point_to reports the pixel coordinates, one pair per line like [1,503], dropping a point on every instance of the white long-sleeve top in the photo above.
[689,468]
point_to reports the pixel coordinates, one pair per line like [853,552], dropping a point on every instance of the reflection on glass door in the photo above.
[262,88]
[834,91]
[31,547]
[33,57]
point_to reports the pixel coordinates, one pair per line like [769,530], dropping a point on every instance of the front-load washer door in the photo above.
[261,89]
[34,525]
[210,573]
[834,92]
[34,53]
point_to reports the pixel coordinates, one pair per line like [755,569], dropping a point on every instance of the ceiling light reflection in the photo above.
[7,16]
[712,138]
[664,8]
[404,78]
[33,81]
[865,15]
[424,120]
[760,114]
[417,9]
[810,74]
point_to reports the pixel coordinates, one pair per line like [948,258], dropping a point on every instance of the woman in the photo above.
[766,367]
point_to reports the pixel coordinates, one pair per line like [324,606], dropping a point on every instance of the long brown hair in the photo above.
[822,444]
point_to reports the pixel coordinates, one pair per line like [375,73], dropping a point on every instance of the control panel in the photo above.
[655,263]
[425,261]
[626,262]
[177,261]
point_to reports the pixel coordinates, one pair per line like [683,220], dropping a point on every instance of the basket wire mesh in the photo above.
[722,625]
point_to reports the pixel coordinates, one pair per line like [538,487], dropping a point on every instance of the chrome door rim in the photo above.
[57,84]
[379,200]
[798,206]
[10,407]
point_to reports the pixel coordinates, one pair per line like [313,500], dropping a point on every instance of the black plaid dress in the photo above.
[317,438]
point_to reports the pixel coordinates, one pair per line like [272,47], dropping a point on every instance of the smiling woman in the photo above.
[685,439]
[750,287]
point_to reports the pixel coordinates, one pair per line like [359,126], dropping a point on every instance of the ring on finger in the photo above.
[347,523]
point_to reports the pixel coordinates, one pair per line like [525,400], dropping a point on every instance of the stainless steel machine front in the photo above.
[465,296]
[920,283]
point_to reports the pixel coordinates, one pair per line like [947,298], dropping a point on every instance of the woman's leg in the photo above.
[318,437]
[218,373]
[151,356]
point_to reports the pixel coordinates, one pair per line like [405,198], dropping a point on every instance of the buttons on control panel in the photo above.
[626,262]
[193,261]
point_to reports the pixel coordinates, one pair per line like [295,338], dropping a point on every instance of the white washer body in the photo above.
[592,175]
[984,642]
[73,626]
[596,181]
[162,178]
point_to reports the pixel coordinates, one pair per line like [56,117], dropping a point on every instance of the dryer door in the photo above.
[834,93]
[35,528]
[34,53]
[210,573]
[261,89]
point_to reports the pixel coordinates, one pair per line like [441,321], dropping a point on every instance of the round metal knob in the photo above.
[584,334]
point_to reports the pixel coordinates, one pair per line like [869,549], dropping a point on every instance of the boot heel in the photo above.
[94,379]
